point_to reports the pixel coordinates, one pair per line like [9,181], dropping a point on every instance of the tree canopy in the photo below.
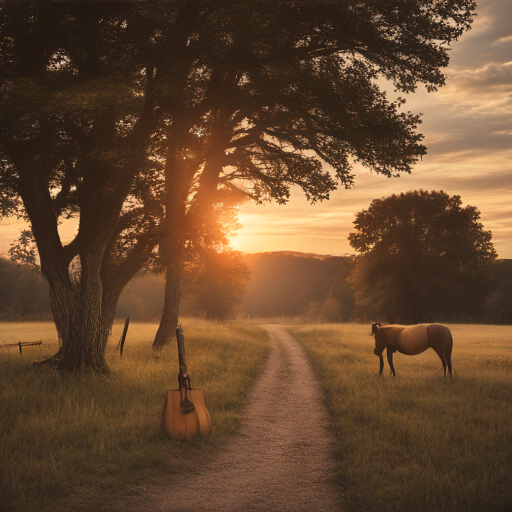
[422,256]
[139,117]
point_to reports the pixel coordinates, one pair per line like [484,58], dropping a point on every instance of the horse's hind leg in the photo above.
[439,352]
[390,351]
[448,346]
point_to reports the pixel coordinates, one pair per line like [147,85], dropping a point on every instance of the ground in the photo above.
[274,462]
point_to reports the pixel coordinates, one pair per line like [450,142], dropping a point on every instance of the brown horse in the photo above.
[412,340]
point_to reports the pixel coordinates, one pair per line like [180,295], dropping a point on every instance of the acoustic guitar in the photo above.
[185,414]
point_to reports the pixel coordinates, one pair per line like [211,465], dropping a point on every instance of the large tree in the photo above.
[294,100]
[76,118]
[422,256]
[138,116]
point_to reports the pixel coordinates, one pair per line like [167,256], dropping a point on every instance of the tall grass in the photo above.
[419,442]
[71,441]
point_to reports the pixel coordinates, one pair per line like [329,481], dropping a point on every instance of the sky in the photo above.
[468,133]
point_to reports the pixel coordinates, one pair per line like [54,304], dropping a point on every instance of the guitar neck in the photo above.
[181,350]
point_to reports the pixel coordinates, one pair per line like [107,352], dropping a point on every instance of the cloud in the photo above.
[298,225]
[472,115]
[507,215]
[477,190]
[501,40]
[459,146]
[492,75]
[493,23]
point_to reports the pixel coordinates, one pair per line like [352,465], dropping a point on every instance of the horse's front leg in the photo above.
[390,360]
[381,364]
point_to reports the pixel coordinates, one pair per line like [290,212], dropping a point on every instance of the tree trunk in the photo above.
[86,343]
[63,303]
[178,180]
[172,297]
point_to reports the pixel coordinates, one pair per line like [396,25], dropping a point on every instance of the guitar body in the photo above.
[196,396]
[177,425]
[185,414]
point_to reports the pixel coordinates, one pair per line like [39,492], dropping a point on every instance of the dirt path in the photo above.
[281,458]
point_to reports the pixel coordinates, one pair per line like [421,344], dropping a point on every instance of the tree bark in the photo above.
[172,297]
[172,244]
[178,181]
[83,310]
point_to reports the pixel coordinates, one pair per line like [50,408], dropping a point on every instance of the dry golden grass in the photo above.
[419,442]
[67,442]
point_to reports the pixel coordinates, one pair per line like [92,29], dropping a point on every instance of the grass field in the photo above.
[66,443]
[419,442]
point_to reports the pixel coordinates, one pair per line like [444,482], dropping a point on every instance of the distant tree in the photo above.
[142,298]
[422,256]
[23,293]
[214,275]
[214,285]
[24,250]
[338,304]
[497,308]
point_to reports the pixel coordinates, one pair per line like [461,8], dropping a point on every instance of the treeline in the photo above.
[322,289]
[23,293]
[316,288]
[213,287]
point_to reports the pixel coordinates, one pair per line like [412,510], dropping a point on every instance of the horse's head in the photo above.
[380,344]
[380,341]
[375,327]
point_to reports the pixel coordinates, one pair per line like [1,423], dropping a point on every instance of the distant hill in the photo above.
[285,282]
[299,254]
